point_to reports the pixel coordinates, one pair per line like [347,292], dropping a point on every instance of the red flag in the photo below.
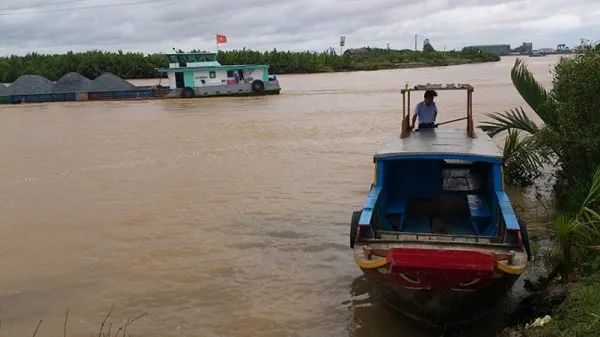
[221,38]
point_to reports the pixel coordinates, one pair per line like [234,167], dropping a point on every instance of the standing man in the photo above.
[426,111]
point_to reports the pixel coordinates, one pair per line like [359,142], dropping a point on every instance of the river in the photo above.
[217,217]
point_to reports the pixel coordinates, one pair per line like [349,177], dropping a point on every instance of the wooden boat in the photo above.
[437,236]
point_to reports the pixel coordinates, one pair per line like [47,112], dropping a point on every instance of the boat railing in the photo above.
[436,87]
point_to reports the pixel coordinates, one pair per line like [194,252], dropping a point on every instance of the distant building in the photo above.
[526,47]
[499,49]
[356,51]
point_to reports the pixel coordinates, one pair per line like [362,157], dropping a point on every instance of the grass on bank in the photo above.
[577,316]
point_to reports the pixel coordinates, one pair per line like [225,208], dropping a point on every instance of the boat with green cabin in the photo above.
[201,75]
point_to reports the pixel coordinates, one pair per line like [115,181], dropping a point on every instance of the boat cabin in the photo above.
[444,181]
[195,70]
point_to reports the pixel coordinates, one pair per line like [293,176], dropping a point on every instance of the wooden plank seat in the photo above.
[479,211]
[478,207]
[396,207]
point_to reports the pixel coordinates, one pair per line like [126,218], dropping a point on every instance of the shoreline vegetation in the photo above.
[92,64]
[570,293]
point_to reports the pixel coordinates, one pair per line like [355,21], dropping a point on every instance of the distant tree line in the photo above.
[129,65]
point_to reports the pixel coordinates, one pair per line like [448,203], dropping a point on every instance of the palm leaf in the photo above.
[590,215]
[522,149]
[508,120]
[522,158]
[529,88]
[594,192]
[587,213]
[564,227]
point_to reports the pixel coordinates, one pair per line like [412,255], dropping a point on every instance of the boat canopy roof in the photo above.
[442,144]
[214,68]
[191,57]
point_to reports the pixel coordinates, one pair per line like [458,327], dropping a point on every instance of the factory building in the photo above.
[499,49]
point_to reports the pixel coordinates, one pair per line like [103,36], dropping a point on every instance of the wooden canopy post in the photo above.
[405,118]
[408,110]
[470,124]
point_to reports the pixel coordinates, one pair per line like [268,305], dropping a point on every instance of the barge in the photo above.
[190,75]
[437,237]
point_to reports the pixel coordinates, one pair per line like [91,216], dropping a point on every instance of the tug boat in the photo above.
[201,75]
[437,237]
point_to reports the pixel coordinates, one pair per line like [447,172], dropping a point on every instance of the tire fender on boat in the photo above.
[525,237]
[258,86]
[188,92]
[354,227]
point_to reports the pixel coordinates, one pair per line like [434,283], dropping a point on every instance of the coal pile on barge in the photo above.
[69,83]
[72,82]
[31,85]
[3,90]
[110,82]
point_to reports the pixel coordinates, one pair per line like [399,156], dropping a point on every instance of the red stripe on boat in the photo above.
[441,269]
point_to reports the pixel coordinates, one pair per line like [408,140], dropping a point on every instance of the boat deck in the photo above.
[456,214]
[440,142]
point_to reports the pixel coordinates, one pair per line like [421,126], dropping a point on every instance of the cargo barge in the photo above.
[190,75]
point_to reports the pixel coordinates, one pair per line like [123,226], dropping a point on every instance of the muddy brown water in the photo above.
[217,217]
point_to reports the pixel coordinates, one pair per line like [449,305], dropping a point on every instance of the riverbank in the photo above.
[578,315]
[92,64]
[405,65]
[570,306]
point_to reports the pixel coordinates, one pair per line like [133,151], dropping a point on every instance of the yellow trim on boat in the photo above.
[375,174]
[370,264]
[511,270]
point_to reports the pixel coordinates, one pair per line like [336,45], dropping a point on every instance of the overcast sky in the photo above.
[57,26]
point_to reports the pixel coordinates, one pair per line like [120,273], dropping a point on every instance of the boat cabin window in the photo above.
[230,74]
[182,62]
[212,74]
[173,59]
[207,58]
[190,58]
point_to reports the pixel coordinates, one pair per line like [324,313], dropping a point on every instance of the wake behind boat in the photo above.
[437,236]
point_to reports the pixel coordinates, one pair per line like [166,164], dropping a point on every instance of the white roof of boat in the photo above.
[441,142]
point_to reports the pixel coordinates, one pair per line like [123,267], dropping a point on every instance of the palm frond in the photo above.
[594,191]
[564,227]
[508,120]
[522,158]
[590,215]
[522,148]
[529,88]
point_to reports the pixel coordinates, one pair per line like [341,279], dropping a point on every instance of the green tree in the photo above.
[137,65]
[427,47]
[570,112]
[571,122]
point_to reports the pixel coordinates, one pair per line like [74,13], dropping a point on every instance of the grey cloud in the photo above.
[293,24]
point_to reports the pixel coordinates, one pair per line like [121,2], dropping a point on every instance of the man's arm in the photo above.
[414,119]
[434,114]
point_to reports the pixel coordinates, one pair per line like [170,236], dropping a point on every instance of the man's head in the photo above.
[429,95]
